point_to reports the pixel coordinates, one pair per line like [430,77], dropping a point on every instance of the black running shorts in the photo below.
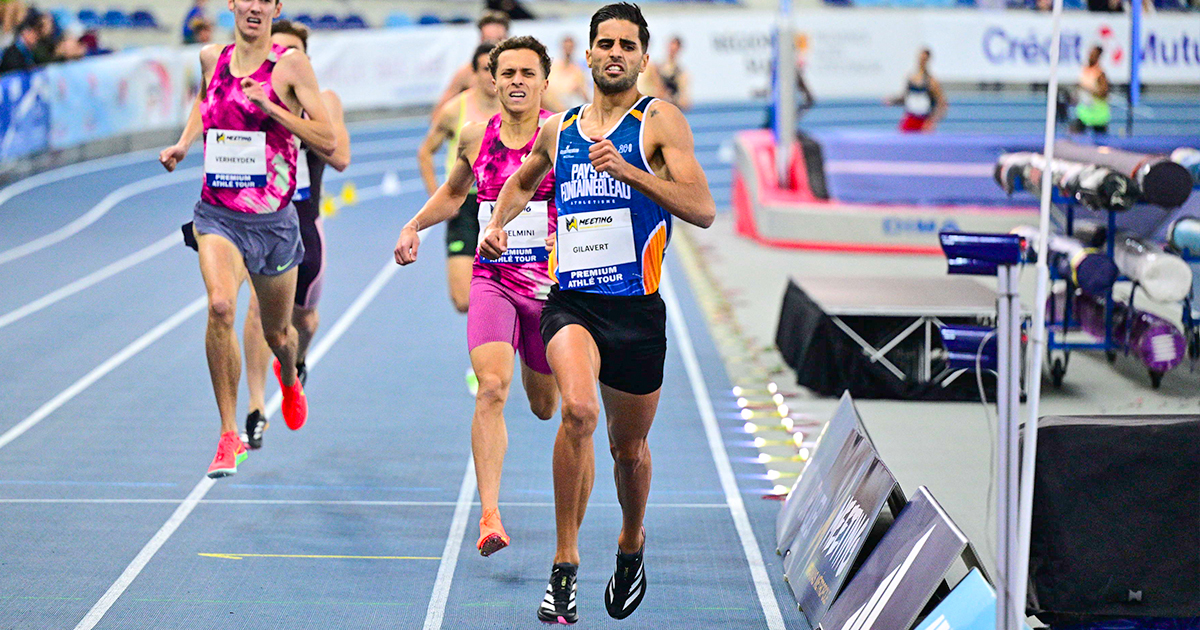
[462,232]
[630,331]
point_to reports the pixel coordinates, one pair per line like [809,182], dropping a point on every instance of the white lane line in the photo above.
[108,271]
[197,494]
[99,210]
[131,572]
[733,496]
[74,170]
[96,374]
[458,529]
[513,504]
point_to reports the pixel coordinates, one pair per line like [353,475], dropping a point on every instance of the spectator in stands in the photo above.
[923,99]
[197,12]
[202,31]
[568,82]
[19,55]
[671,79]
[54,44]
[1091,97]
[11,14]
[512,8]
[493,27]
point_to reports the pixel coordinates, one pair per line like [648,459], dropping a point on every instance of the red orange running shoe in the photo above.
[230,452]
[491,533]
[295,403]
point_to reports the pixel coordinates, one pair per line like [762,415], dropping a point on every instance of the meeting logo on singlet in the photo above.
[575,224]
[586,182]
[233,138]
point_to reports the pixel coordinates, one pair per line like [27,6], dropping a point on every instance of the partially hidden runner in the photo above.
[310,277]
[506,293]
[623,166]
[476,104]
[244,223]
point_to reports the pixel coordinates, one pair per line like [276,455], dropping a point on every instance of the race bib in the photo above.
[526,234]
[594,240]
[235,159]
[918,103]
[303,178]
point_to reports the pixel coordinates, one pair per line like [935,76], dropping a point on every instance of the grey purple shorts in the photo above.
[270,243]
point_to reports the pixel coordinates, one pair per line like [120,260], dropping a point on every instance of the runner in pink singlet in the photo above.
[507,294]
[244,223]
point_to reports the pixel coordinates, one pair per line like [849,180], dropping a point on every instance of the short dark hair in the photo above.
[296,29]
[493,17]
[481,50]
[524,42]
[621,11]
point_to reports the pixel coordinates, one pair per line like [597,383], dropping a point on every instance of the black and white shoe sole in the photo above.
[620,608]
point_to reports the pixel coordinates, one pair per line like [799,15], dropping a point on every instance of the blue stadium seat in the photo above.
[303,18]
[398,20]
[116,18]
[90,18]
[354,21]
[460,19]
[429,18]
[328,22]
[226,21]
[143,19]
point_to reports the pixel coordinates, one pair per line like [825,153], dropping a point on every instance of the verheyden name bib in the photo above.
[593,244]
[235,159]
[526,233]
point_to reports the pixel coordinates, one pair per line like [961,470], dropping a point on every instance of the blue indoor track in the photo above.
[366,518]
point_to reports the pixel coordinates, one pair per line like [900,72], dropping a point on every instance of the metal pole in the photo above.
[1135,62]
[784,92]
[1003,444]
[1037,338]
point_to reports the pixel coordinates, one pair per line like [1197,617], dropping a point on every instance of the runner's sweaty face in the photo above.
[519,80]
[253,17]
[616,56]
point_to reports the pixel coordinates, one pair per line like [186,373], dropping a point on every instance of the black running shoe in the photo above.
[302,373]
[559,604]
[255,425]
[627,586]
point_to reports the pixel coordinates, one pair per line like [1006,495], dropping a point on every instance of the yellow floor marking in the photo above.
[239,556]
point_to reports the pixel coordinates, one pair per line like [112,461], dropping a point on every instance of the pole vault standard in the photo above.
[783,92]
[1010,610]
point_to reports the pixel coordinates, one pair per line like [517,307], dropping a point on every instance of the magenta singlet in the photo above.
[524,267]
[249,157]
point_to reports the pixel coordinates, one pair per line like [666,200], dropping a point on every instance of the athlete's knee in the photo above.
[543,404]
[492,392]
[580,415]
[306,319]
[221,310]
[629,454]
[276,337]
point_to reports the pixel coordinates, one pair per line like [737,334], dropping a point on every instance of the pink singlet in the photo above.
[507,295]
[249,157]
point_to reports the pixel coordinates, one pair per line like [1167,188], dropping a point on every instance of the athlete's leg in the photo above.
[458,275]
[541,390]
[223,271]
[258,355]
[575,359]
[276,296]
[629,417]
[306,321]
[493,364]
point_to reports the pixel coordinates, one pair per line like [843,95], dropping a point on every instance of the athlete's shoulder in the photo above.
[292,59]
[211,53]
[660,108]
[472,132]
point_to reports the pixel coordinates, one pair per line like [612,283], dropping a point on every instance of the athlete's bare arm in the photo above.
[520,188]
[340,158]
[678,183]
[443,205]
[441,130]
[459,83]
[171,156]
[939,97]
[294,78]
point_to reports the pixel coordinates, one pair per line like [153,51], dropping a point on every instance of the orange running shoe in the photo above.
[295,403]
[230,452]
[491,533]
